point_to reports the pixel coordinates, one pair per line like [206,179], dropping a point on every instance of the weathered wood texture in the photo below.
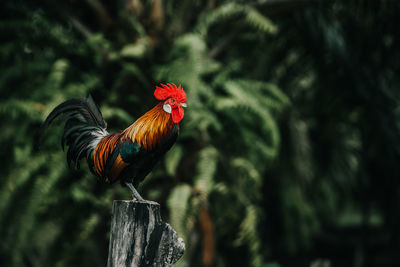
[140,238]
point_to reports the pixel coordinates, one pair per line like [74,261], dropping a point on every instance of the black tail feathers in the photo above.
[81,109]
[83,129]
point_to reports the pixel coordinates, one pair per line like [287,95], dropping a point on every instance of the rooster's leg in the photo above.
[135,194]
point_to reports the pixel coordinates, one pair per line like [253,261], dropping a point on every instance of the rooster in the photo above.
[128,155]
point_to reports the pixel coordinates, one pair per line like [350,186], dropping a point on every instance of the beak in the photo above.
[184,105]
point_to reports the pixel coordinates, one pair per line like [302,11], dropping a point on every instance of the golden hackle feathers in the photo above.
[149,129]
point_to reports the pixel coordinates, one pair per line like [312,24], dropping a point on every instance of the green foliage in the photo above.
[291,132]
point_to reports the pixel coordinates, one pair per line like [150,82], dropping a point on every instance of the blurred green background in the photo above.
[288,154]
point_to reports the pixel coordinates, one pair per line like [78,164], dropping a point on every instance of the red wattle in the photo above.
[177,114]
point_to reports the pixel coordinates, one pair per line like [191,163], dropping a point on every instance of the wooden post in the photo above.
[140,238]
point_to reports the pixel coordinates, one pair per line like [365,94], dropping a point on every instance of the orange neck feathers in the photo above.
[149,129]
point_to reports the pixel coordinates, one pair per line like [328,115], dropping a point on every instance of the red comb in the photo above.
[170,90]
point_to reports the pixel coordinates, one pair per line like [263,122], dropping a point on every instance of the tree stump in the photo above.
[140,238]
